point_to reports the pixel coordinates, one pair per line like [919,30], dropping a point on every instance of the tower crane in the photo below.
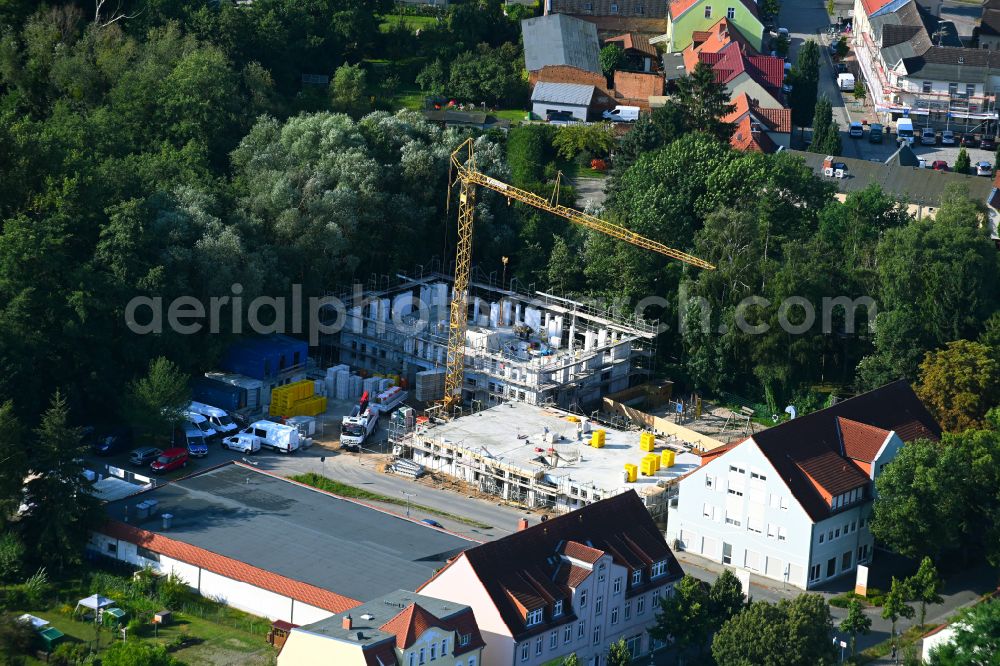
[463,166]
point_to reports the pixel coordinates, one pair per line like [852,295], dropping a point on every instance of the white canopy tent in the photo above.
[95,602]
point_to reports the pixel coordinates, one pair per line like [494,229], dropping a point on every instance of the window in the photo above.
[861,521]
[113,547]
[782,534]
[598,605]
[731,13]
[639,10]
[829,535]
[597,635]
[557,608]
[616,587]
[708,510]
[583,598]
[928,86]
[754,524]
[568,633]
[553,640]
[600,573]
[738,470]
[534,617]
[444,647]
[771,531]
[472,661]
[758,476]
[845,561]
[147,554]
[738,493]
[640,605]
[708,11]
[581,629]
[727,553]
[637,577]
[814,572]
[614,615]
[524,652]
[733,521]
[970,90]
[952,89]
[821,537]
[784,503]
[614,9]
[413,659]
[628,610]
[709,481]
[538,645]
[658,568]
[831,567]
[854,526]
[464,639]
[836,533]
[434,652]
[422,659]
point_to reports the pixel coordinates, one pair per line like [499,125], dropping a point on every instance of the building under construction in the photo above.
[542,457]
[535,348]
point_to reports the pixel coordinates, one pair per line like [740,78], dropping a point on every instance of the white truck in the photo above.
[845,81]
[363,419]
[267,435]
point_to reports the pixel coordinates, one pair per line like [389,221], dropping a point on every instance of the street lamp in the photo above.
[408,496]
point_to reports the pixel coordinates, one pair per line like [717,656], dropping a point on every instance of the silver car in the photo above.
[947,138]
[928,137]
[142,457]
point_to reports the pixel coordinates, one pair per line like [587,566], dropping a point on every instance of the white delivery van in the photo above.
[219,419]
[242,442]
[202,424]
[277,436]
[904,130]
[845,81]
[622,114]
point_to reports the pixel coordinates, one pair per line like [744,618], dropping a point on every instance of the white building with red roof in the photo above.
[792,503]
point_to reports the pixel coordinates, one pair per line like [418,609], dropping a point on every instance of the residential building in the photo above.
[687,17]
[573,584]
[902,176]
[398,629]
[759,77]
[542,457]
[909,71]
[615,16]
[716,39]
[757,128]
[560,40]
[270,546]
[792,503]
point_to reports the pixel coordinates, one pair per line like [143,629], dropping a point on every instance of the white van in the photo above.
[219,419]
[202,424]
[622,114]
[904,130]
[845,81]
[268,435]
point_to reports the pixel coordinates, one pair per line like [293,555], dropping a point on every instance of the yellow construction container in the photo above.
[653,459]
[647,441]
[597,439]
[648,466]
[667,458]
[632,471]
[310,406]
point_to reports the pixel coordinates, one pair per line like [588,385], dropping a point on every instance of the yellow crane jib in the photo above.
[469,177]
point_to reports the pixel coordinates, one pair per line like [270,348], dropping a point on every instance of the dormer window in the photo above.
[557,608]
[658,569]
[535,617]
[464,640]
[637,577]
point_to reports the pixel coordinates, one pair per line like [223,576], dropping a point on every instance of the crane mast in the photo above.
[469,178]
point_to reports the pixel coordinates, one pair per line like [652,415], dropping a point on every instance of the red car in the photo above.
[939,165]
[170,460]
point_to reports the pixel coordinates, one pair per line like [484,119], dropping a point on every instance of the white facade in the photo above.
[237,594]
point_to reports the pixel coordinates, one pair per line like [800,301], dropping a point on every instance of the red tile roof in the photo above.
[768,71]
[830,472]
[861,441]
[632,40]
[511,569]
[872,6]
[230,568]
[383,654]
[749,139]
[578,551]
[776,120]
[571,575]
[409,624]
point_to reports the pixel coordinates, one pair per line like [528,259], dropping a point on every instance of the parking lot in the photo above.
[863,149]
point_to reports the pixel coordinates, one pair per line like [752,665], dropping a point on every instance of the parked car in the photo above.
[145,455]
[170,460]
[984,169]
[939,165]
[108,441]
[622,114]
[560,117]
[875,133]
[856,130]
[840,68]
[928,137]
[432,523]
[970,141]
[947,138]
[988,143]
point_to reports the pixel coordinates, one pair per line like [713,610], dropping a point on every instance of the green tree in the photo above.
[895,607]
[612,56]
[826,132]
[136,653]
[491,75]
[704,102]
[959,384]
[830,144]
[62,508]
[642,137]
[925,587]
[347,88]
[571,660]
[788,633]
[726,597]
[770,8]
[685,616]
[433,78]
[564,273]
[962,162]
[860,92]
[842,48]
[155,403]
[16,639]
[12,553]
[14,467]
[596,139]
[781,44]
[855,623]
[804,78]
[619,654]
[976,641]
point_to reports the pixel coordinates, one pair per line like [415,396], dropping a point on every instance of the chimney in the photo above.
[522,524]
[347,623]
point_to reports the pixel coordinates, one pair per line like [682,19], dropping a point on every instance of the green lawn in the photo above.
[344,490]
[414,23]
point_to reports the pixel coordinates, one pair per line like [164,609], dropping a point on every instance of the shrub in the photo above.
[68,654]
[37,588]
[135,628]
[11,557]
[173,591]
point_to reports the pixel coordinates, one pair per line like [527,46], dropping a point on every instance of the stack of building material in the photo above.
[667,458]
[371,385]
[355,387]
[429,385]
[342,387]
[297,399]
[647,441]
[650,464]
[597,439]
[384,384]
[631,472]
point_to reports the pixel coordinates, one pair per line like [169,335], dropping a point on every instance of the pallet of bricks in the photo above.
[297,399]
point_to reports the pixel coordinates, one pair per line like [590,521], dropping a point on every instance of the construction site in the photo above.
[535,348]
[547,458]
